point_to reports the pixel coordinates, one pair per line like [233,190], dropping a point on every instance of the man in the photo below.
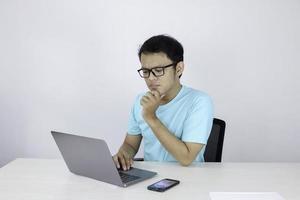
[174,120]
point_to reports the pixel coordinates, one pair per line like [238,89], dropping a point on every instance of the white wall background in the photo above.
[71,66]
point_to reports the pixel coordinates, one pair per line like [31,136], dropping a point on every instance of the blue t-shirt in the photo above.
[188,116]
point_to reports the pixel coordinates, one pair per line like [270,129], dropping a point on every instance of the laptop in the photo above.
[91,157]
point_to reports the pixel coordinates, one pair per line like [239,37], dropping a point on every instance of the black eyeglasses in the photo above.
[156,71]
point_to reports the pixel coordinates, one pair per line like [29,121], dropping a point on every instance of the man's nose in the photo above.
[152,76]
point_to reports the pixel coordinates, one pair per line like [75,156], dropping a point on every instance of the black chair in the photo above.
[214,146]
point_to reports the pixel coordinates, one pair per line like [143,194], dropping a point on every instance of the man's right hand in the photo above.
[123,159]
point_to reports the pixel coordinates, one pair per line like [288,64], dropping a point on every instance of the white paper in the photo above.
[245,196]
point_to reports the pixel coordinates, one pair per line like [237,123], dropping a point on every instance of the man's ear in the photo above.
[179,68]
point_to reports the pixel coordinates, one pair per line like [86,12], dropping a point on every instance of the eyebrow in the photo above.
[151,67]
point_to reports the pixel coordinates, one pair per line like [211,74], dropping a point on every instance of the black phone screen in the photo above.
[163,185]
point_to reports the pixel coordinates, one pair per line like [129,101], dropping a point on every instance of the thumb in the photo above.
[156,94]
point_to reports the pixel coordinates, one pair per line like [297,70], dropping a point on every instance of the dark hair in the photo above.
[165,44]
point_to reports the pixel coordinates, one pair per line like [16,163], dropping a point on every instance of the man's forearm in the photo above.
[172,144]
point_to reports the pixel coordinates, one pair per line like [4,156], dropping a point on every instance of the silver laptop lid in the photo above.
[87,157]
[91,157]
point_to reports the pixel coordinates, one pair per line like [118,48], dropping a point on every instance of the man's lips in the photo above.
[153,86]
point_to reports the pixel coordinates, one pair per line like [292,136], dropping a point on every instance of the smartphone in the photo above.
[163,185]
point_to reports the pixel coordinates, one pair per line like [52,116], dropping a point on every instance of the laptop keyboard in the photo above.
[127,178]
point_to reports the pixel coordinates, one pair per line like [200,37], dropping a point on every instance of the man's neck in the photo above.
[171,94]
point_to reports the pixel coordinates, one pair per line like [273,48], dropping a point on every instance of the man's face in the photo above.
[162,84]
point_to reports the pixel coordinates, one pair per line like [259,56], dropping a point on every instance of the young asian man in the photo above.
[174,120]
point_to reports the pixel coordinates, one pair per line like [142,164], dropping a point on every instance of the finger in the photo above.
[147,98]
[144,101]
[127,160]
[156,94]
[149,95]
[128,163]
[115,158]
[123,162]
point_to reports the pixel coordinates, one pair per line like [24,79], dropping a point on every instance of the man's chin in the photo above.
[157,90]
[154,89]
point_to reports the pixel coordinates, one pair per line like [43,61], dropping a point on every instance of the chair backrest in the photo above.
[214,146]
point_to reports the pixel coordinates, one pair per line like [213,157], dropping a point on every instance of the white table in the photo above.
[44,179]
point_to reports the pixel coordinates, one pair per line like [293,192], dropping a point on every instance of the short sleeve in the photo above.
[198,123]
[133,127]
